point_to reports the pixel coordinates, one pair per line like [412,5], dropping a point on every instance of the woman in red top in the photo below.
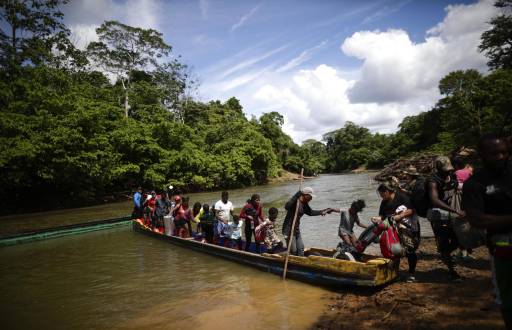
[149,209]
[252,213]
[182,219]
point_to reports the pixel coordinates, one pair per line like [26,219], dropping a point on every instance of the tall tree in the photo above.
[29,31]
[270,126]
[464,105]
[497,42]
[122,49]
[172,80]
[348,147]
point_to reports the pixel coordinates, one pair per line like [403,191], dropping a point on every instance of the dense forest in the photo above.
[78,125]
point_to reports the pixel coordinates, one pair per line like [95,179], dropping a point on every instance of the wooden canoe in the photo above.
[316,269]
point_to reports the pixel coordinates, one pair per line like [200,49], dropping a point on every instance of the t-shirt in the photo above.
[198,217]
[162,207]
[388,208]
[182,213]
[443,187]
[347,221]
[207,218]
[489,193]
[236,230]
[290,214]
[463,175]
[257,215]
[136,200]
[224,209]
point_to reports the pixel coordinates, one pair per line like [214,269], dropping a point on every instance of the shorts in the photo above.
[179,223]
[344,232]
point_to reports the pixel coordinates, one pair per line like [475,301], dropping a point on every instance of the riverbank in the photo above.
[285,176]
[431,303]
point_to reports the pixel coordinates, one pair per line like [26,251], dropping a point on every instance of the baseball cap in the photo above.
[444,164]
[308,191]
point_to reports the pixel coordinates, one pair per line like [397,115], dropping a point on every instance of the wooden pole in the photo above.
[293,228]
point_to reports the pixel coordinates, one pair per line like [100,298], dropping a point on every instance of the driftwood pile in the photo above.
[424,164]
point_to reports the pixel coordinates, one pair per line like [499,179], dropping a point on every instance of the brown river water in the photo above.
[121,279]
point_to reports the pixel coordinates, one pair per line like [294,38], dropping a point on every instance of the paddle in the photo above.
[293,228]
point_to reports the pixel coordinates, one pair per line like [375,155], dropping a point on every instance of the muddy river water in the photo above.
[121,279]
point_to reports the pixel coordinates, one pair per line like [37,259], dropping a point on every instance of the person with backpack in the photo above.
[397,207]
[410,178]
[438,189]
[487,199]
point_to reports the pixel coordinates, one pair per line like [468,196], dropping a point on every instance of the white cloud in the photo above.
[398,77]
[240,80]
[249,62]
[84,16]
[83,34]
[244,18]
[396,69]
[303,57]
[464,19]
[314,102]
[385,11]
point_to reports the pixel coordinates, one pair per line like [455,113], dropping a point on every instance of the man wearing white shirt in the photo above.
[223,213]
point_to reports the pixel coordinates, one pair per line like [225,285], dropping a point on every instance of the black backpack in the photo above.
[419,197]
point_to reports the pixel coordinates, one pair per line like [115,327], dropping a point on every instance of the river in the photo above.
[120,279]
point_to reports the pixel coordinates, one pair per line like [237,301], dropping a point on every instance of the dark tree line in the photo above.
[76,126]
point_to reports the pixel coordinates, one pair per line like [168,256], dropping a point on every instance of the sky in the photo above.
[318,63]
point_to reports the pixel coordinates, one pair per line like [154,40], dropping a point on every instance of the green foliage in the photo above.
[270,126]
[349,147]
[124,50]
[496,42]
[66,139]
[29,31]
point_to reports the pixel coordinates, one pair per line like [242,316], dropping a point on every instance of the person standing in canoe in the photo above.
[252,214]
[303,196]
[137,204]
[223,213]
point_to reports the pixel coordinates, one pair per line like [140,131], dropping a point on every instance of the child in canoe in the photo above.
[266,233]
[236,232]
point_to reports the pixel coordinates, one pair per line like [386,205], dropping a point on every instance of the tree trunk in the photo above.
[126,104]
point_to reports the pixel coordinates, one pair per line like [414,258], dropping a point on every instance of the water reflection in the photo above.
[120,279]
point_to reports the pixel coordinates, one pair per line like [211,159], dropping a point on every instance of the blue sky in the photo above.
[319,63]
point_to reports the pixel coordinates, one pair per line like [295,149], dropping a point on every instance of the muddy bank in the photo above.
[285,176]
[431,303]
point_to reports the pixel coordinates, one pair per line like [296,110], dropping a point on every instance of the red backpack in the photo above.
[389,243]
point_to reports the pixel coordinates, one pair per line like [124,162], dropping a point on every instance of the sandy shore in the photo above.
[431,303]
